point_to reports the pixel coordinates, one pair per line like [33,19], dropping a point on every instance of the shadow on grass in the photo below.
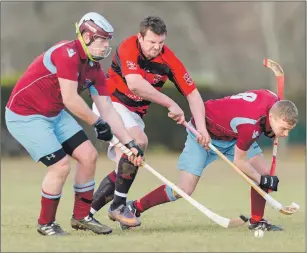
[182,228]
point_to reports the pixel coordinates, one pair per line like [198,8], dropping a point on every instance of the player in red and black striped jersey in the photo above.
[129,60]
[140,67]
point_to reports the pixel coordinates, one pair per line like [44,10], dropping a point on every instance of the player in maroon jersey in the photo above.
[36,117]
[140,67]
[234,124]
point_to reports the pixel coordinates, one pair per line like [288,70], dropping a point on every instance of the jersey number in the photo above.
[247,96]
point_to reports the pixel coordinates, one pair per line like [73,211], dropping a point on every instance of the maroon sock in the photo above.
[83,199]
[257,206]
[49,205]
[154,198]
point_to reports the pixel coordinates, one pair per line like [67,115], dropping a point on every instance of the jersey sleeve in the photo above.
[100,86]
[66,62]
[247,135]
[178,73]
[126,57]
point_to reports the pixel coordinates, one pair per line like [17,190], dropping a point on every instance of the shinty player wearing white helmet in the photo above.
[52,82]
[100,31]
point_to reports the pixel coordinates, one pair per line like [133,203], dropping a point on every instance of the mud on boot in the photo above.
[90,223]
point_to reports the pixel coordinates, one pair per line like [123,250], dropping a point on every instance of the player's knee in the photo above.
[89,157]
[139,137]
[142,142]
[93,156]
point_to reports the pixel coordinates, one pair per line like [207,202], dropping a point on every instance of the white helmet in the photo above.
[97,26]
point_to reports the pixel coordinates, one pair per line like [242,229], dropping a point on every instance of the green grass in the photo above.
[173,227]
[10,80]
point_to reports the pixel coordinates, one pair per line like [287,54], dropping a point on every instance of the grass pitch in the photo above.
[176,226]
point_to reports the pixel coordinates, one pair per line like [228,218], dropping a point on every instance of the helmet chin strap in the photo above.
[89,55]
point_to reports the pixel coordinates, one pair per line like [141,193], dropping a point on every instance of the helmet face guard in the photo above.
[106,51]
[97,27]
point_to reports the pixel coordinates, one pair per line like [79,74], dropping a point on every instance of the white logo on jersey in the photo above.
[131,65]
[255,134]
[134,97]
[188,79]
[70,52]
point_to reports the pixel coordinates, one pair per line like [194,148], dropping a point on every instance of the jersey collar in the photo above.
[266,127]
[81,50]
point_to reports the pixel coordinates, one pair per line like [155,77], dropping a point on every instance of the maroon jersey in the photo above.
[38,90]
[243,117]
[129,59]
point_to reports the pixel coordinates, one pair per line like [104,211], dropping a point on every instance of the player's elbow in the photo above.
[133,86]
[133,82]
[194,95]
[69,99]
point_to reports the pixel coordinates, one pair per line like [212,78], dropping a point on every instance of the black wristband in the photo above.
[131,144]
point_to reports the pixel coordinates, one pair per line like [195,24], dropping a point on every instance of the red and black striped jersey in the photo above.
[129,59]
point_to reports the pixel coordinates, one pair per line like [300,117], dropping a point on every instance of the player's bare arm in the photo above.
[240,160]
[75,103]
[79,108]
[57,77]
[198,111]
[110,115]
[139,86]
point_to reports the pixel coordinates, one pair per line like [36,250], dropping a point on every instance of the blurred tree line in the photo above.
[222,44]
